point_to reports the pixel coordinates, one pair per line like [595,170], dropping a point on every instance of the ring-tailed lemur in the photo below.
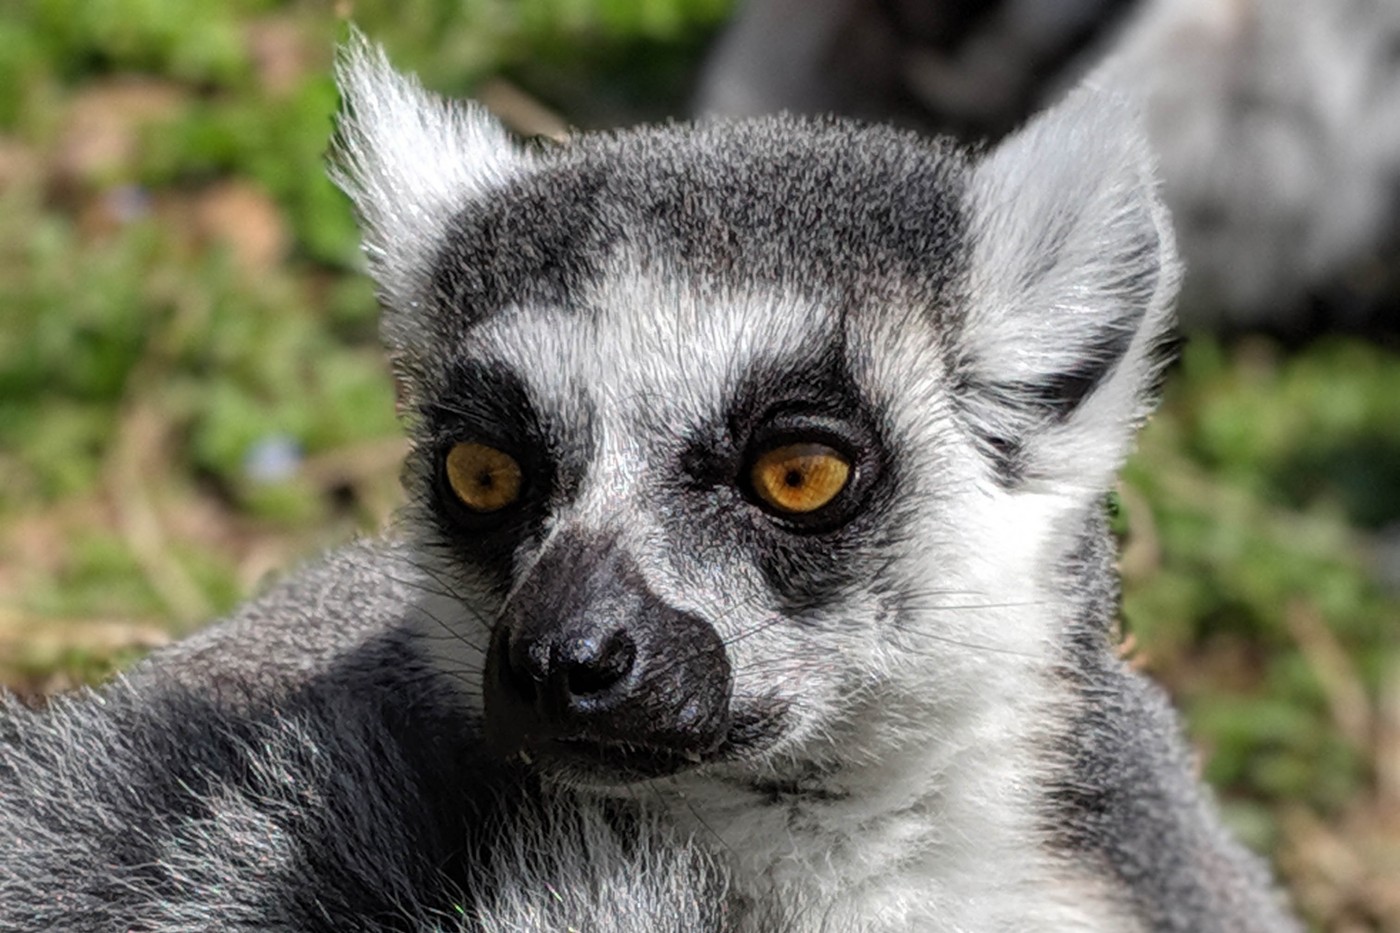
[755,574]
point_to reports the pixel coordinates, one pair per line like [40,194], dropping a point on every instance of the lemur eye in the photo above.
[799,478]
[483,478]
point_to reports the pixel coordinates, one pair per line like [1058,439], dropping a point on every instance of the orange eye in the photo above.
[485,479]
[800,478]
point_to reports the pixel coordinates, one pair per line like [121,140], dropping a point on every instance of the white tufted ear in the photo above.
[410,160]
[1073,279]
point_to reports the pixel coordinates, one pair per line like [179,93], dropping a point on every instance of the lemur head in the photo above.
[728,436]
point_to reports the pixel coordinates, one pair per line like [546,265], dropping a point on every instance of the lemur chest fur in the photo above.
[921,837]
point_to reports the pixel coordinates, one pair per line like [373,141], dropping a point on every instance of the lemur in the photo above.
[755,573]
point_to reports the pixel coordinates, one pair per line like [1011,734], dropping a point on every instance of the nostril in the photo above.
[594,665]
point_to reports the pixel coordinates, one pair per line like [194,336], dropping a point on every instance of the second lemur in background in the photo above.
[1276,122]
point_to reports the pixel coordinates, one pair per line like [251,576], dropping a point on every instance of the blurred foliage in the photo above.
[191,394]
[1262,603]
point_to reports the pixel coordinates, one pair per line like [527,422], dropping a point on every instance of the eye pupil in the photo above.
[483,478]
[795,479]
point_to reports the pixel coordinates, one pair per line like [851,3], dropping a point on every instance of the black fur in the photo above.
[487,404]
[657,680]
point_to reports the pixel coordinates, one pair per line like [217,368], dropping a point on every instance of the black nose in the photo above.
[587,660]
[580,670]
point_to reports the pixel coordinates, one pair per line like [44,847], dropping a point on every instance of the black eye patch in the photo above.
[487,405]
[809,401]
[484,401]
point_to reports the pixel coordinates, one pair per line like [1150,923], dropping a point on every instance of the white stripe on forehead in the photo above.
[653,357]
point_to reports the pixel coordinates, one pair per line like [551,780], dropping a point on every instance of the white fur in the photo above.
[1057,208]
[1277,123]
[410,160]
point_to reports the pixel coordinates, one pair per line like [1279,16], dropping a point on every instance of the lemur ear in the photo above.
[1073,279]
[410,160]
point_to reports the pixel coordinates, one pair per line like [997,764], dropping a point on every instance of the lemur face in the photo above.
[694,519]
[730,439]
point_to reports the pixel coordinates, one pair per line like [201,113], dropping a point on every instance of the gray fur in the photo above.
[1126,797]
[991,328]
[923,724]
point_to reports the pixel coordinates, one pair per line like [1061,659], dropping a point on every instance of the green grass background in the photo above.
[180,289]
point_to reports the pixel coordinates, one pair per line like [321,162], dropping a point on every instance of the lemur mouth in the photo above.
[602,763]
